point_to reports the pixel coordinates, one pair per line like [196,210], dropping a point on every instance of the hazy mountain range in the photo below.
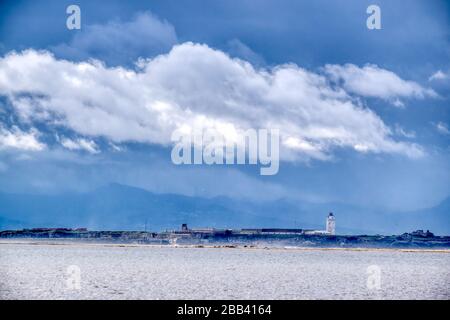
[119,207]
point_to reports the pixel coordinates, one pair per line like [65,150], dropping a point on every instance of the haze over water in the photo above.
[40,271]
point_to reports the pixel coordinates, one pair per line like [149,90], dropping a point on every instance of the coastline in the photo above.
[78,242]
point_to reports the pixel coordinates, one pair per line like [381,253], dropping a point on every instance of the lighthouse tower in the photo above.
[331,224]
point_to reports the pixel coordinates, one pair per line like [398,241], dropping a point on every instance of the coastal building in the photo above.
[315,232]
[330,229]
[272,231]
[331,224]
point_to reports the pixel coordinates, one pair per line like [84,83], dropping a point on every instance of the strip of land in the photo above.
[77,242]
[255,238]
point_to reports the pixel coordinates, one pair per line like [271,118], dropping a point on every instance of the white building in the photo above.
[331,224]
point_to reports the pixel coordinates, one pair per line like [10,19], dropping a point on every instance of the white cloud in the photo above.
[438,75]
[115,147]
[195,86]
[18,139]
[397,103]
[442,128]
[372,81]
[402,132]
[80,144]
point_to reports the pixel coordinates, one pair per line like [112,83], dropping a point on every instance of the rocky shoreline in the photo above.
[417,239]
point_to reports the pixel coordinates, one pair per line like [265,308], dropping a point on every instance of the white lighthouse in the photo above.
[331,224]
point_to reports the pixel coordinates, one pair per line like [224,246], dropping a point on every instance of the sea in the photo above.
[58,270]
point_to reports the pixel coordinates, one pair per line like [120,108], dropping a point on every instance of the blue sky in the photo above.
[371,106]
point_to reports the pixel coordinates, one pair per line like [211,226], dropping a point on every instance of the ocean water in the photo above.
[86,271]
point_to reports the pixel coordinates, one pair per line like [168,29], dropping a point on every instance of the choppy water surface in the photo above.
[142,272]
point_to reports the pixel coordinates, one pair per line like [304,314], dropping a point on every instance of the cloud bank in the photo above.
[15,138]
[372,81]
[195,86]
[79,144]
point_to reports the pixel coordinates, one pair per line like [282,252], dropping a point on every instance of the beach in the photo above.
[32,269]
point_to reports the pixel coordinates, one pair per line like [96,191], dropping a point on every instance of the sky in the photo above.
[363,114]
